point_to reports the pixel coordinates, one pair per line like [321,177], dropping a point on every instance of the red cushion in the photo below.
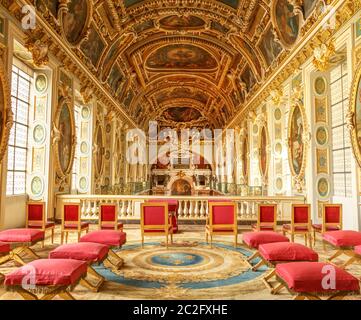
[71,212]
[21,235]
[110,225]
[298,228]
[154,215]
[35,211]
[254,239]
[48,272]
[332,214]
[223,214]
[107,213]
[267,214]
[38,224]
[72,225]
[343,238]
[4,247]
[286,251]
[85,251]
[111,238]
[328,228]
[308,276]
[300,214]
[262,228]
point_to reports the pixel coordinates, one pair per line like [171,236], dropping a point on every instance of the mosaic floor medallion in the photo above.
[184,271]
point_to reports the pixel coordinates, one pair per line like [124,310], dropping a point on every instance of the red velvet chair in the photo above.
[300,223]
[36,219]
[222,220]
[108,217]
[267,219]
[155,221]
[71,221]
[331,220]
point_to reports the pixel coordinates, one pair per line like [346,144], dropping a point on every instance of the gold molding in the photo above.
[6,117]
[298,178]
[56,136]
[352,114]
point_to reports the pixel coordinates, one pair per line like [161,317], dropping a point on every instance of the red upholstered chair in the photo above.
[222,220]
[155,221]
[36,219]
[267,219]
[300,222]
[108,217]
[71,221]
[331,220]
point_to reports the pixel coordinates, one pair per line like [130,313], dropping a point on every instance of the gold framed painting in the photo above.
[6,115]
[297,146]
[75,21]
[285,22]
[64,138]
[354,115]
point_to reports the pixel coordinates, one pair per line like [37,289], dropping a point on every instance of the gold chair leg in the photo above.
[335,255]
[258,265]
[66,295]
[26,294]
[62,237]
[116,261]
[52,235]
[30,252]
[277,288]
[66,236]
[94,287]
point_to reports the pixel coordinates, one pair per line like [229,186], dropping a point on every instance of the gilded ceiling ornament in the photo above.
[87,93]
[276,96]
[38,48]
[325,56]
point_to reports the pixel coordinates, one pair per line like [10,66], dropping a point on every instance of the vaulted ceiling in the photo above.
[180,62]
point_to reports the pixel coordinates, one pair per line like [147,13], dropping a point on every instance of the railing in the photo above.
[189,207]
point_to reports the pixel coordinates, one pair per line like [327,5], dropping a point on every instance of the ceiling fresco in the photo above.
[167,60]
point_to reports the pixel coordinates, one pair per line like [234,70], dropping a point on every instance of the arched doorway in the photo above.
[181,187]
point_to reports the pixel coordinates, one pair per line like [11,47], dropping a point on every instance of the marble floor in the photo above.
[223,271]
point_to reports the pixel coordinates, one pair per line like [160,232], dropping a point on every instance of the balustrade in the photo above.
[189,207]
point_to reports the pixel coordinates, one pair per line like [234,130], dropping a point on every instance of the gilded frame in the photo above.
[84,32]
[298,177]
[6,118]
[279,32]
[352,115]
[62,103]
[261,128]
[99,171]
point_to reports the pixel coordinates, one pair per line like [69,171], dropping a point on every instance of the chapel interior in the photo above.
[180,149]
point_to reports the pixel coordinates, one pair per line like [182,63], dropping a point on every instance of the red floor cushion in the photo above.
[4,247]
[287,251]
[328,228]
[254,239]
[112,238]
[21,235]
[85,251]
[308,277]
[47,272]
[343,238]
